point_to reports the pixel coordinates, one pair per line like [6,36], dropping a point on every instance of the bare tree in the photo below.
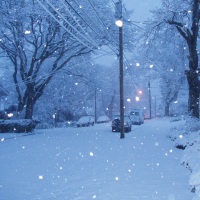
[191,36]
[37,46]
[182,17]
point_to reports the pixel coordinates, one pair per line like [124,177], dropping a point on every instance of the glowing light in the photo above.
[129,100]
[140,91]
[119,23]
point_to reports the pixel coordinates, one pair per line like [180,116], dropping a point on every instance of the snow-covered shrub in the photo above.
[17,126]
[192,124]
[186,134]
[178,118]
[177,130]
[191,159]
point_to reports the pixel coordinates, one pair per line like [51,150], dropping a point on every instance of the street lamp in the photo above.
[119,23]
[140,92]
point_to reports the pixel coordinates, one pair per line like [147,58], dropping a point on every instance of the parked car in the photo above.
[116,124]
[103,119]
[146,116]
[85,121]
[137,116]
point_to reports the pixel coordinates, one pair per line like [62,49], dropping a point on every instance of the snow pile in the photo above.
[186,135]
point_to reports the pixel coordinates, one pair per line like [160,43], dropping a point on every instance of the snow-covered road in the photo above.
[93,163]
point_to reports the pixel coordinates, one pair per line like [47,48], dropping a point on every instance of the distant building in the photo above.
[3,93]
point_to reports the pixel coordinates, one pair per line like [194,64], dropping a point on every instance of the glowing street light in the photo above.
[119,23]
[140,91]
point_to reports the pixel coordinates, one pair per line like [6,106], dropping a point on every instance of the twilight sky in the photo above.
[141,8]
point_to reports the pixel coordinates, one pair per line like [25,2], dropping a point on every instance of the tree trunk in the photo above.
[193,102]
[29,106]
[191,37]
[167,105]
[192,74]
[29,109]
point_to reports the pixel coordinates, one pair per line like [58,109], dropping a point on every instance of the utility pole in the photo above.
[155,106]
[95,105]
[149,88]
[119,23]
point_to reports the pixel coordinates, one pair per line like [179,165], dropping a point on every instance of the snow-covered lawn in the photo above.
[93,163]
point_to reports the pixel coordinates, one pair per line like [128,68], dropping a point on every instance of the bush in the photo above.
[17,126]
[192,124]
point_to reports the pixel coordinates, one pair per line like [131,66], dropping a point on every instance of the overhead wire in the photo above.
[96,12]
[71,26]
[104,25]
[99,18]
[77,14]
[74,36]
[85,36]
[91,20]
[79,25]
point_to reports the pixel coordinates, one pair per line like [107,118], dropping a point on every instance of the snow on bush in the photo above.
[186,135]
[192,124]
[18,126]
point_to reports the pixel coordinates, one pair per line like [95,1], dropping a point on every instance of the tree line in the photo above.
[50,50]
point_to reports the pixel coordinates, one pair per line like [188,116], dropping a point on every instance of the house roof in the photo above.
[3,91]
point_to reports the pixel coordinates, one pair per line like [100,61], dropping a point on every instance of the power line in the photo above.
[58,21]
[91,20]
[72,27]
[81,17]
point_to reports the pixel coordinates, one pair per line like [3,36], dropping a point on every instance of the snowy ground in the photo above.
[93,163]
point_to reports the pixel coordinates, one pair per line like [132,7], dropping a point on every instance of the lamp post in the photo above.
[119,23]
